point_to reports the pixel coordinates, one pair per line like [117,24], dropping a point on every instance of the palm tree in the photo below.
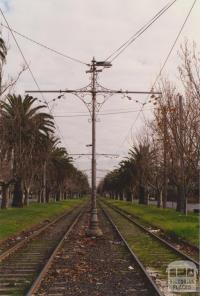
[132,176]
[63,178]
[142,157]
[128,177]
[79,182]
[60,168]
[113,184]
[22,125]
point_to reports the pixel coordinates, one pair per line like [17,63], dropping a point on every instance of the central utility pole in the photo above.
[94,229]
[93,89]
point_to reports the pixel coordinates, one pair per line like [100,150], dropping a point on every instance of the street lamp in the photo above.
[104,64]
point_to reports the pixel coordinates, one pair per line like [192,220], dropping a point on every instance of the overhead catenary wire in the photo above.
[125,43]
[164,64]
[105,111]
[102,114]
[31,72]
[121,49]
[19,48]
[44,46]
[175,41]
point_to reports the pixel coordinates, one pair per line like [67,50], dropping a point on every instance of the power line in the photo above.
[164,64]
[28,67]
[121,49]
[44,46]
[132,37]
[102,114]
[175,41]
[105,111]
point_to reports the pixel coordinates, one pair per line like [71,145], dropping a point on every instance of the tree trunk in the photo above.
[180,207]
[121,195]
[26,196]
[58,196]
[18,194]
[43,195]
[131,197]
[142,195]
[39,196]
[47,195]
[4,201]
[160,198]
[128,195]
[61,195]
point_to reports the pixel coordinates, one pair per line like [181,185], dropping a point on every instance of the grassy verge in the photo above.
[168,220]
[13,221]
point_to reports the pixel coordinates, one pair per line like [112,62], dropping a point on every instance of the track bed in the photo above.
[94,266]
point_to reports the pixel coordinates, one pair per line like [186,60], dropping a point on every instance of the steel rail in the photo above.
[32,236]
[46,267]
[163,241]
[136,259]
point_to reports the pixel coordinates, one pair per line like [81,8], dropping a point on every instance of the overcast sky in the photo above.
[83,29]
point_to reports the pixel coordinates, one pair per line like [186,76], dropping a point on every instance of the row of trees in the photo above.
[31,161]
[165,161]
[130,180]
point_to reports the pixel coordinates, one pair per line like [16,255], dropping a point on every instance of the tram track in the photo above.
[65,278]
[154,235]
[59,262]
[153,252]
[21,264]
[155,289]
[6,251]
[177,243]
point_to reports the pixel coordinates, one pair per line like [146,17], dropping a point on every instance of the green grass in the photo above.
[168,220]
[143,245]
[14,220]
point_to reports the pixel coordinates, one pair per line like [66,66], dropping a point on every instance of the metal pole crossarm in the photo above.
[59,91]
[97,91]
[130,92]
